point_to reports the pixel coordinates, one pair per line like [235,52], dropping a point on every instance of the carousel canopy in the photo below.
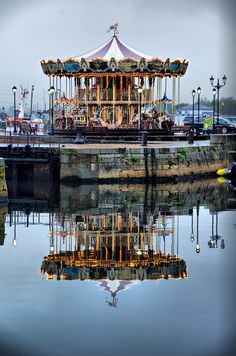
[114,48]
[114,56]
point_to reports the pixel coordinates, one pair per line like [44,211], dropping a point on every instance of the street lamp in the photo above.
[14,90]
[51,92]
[198,105]
[214,104]
[31,101]
[218,86]
[193,95]
[140,90]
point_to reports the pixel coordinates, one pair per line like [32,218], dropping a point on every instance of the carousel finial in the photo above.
[114,28]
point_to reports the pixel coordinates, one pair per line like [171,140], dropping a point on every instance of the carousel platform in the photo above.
[98,134]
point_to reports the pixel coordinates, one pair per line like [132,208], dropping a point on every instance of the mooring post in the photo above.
[191,135]
[79,138]
[144,138]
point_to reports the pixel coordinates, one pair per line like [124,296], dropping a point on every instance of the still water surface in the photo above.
[119,270]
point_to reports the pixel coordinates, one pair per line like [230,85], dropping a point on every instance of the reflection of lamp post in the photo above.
[211,242]
[14,89]
[215,236]
[192,234]
[140,90]
[218,86]
[198,106]
[193,95]
[51,233]
[214,104]
[51,92]
[197,248]
[14,235]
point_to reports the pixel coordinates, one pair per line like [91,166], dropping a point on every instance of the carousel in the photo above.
[112,86]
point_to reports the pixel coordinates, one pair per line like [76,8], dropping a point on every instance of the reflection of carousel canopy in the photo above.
[68,266]
[115,56]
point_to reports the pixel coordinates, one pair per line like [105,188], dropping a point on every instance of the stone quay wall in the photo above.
[141,163]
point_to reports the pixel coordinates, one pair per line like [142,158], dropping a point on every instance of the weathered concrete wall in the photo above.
[180,197]
[140,163]
[3,185]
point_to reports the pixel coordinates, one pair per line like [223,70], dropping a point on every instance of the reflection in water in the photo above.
[125,245]
[113,237]
[119,248]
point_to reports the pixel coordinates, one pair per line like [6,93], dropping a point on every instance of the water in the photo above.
[113,270]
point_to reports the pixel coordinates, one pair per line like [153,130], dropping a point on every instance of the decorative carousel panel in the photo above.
[184,67]
[113,64]
[98,65]
[71,66]
[155,66]
[128,65]
[175,66]
[50,67]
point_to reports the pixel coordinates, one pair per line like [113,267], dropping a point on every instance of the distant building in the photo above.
[187,110]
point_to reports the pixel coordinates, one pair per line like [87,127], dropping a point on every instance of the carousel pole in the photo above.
[113,102]
[174,95]
[129,83]
[178,98]
[157,94]
[160,93]
[107,87]
[150,91]
[87,94]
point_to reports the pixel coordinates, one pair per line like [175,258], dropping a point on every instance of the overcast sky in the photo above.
[202,31]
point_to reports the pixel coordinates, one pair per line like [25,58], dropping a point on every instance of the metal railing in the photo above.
[7,138]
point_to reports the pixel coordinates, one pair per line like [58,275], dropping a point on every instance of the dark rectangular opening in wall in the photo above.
[25,180]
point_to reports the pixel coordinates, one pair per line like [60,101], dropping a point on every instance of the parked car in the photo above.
[226,125]
[198,128]
[232,119]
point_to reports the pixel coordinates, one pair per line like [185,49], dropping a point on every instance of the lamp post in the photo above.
[31,100]
[140,90]
[51,92]
[214,104]
[14,89]
[218,86]
[198,106]
[193,95]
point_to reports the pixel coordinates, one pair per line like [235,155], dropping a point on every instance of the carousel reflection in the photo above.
[116,249]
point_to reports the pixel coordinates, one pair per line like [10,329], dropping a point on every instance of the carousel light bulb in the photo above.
[140,89]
